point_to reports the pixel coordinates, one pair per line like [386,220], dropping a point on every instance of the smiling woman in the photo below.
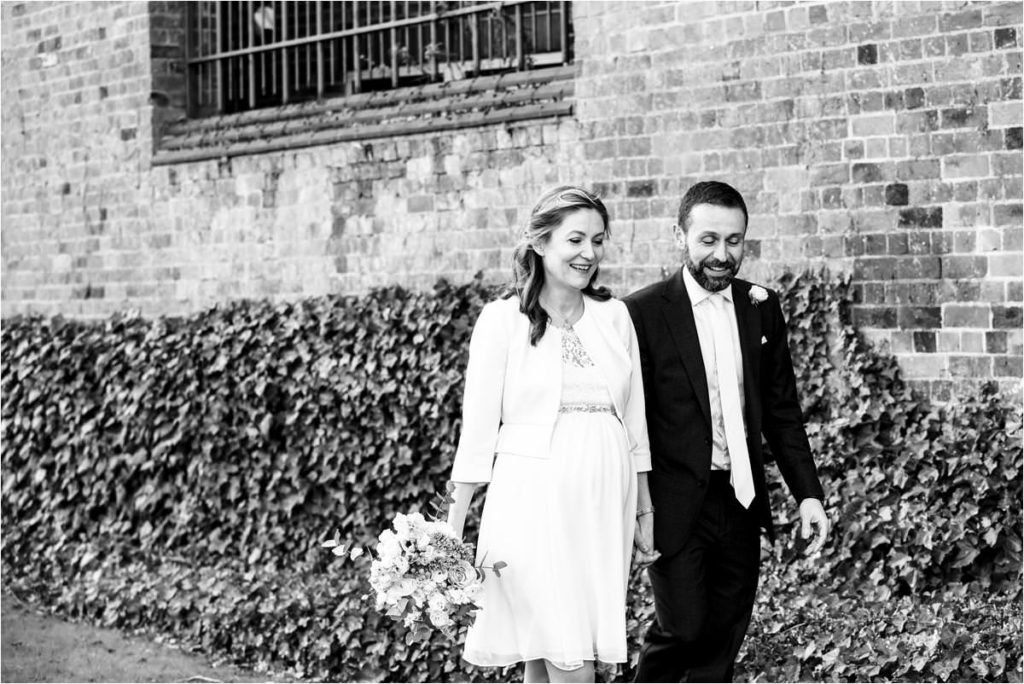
[572,224]
[571,255]
[553,422]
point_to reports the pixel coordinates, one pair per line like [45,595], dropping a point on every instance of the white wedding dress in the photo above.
[564,525]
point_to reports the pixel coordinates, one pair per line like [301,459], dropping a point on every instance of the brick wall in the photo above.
[882,139]
[75,119]
[91,226]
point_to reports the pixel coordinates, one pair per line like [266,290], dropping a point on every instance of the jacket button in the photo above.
[701,483]
[707,440]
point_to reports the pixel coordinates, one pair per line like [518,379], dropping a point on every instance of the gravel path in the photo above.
[41,648]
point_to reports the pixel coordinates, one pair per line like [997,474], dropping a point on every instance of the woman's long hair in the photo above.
[528,266]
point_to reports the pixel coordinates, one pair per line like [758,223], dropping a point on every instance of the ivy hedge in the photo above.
[178,475]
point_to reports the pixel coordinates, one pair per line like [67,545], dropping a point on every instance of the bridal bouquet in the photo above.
[423,575]
[423,572]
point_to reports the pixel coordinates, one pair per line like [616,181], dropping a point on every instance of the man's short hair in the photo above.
[711,192]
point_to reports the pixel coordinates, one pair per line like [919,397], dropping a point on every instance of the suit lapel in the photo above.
[678,313]
[748,322]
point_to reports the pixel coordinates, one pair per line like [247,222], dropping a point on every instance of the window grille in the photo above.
[255,54]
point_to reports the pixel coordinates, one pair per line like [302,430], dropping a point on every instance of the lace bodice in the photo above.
[583,388]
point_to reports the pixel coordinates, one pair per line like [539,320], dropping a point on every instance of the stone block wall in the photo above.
[353,216]
[881,139]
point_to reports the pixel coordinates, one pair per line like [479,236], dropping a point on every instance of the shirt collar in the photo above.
[697,293]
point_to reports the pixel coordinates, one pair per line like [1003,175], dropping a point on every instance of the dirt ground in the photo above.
[41,648]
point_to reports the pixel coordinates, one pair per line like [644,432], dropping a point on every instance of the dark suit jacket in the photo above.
[679,412]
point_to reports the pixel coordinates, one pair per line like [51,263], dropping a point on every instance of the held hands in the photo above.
[812,514]
[643,540]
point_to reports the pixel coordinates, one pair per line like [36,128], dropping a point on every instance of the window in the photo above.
[256,54]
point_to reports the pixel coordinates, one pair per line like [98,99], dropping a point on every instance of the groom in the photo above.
[717,376]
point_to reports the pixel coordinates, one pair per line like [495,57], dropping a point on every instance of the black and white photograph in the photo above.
[521,340]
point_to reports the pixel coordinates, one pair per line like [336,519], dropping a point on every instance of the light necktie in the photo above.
[732,407]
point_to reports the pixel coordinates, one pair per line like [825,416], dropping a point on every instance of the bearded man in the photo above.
[717,376]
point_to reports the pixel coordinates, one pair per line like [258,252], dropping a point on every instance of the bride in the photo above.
[553,423]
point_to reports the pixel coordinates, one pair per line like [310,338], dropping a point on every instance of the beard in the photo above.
[711,283]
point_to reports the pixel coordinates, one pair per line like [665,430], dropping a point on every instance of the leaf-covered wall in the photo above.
[178,475]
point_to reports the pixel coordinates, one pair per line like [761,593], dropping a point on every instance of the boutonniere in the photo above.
[758,294]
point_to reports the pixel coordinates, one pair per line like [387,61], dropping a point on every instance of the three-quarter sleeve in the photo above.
[635,414]
[481,400]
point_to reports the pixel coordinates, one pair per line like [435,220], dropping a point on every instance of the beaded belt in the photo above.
[586,408]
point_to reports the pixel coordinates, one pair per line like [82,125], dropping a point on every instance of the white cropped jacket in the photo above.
[513,389]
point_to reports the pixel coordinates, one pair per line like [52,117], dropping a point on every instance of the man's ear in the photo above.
[680,236]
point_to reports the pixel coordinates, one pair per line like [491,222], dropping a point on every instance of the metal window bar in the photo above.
[319,51]
[302,50]
[393,32]
[251,58]
[476,43]
[520,55]
[286,88]
[220,63]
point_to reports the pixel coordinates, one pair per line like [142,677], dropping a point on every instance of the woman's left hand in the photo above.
[643,539]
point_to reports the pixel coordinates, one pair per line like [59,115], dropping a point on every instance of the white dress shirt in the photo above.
[702,312]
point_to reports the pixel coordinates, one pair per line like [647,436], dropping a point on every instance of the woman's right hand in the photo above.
[457,526]
[461,494]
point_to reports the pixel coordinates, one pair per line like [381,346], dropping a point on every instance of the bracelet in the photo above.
[645,511]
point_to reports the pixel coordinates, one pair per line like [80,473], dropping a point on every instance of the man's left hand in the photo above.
[812,514]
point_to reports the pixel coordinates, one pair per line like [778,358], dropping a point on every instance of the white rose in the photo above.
[437,602]
[389,547]
[416,522]
[758,294]
[462,575]
[439,618]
